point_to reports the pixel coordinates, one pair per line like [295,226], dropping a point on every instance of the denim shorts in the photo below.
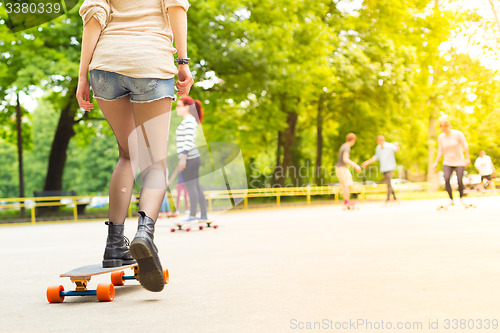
[110,86]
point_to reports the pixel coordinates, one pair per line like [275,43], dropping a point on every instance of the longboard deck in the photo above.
[187,226]
[181,224]
[91,270]
[458,206]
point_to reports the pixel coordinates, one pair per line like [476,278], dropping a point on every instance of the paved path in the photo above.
[272,271]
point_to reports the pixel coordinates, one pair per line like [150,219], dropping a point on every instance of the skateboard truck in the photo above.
[105,292]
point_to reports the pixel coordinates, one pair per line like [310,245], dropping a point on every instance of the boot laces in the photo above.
[127,241]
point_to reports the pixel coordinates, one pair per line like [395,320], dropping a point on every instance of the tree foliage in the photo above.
[286,81]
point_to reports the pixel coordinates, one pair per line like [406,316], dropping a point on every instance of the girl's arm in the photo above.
[347,160]
[465,146]
[178,22]
[439,155]
[467,156]
[173,176]
[438,158]
[91,33]
[368,162]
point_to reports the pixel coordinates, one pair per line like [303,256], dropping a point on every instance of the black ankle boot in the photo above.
[145,252]
[116,252]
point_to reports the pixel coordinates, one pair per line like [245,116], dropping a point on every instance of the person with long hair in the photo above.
[127,48]
[453,146]
[189,157]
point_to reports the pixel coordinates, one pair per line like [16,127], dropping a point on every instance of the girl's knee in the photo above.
[123,153]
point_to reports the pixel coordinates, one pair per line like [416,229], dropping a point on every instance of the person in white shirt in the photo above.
[486,169]
[385,154]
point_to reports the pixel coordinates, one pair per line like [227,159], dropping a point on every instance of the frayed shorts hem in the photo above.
[114,99]
[133,101]
[152,100]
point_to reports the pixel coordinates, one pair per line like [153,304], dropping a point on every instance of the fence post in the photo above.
[308,195]
[75,210]
[245,202]
[33,218]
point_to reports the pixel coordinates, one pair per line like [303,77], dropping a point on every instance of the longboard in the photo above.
[466,206]
[105,292]
[351,206]
[189,225]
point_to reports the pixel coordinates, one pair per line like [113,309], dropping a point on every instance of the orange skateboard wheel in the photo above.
[105,292]
[166,276]
[116,278]
[54,294]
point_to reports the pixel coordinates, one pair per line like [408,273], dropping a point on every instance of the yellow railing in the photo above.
[277,192]
[309,191]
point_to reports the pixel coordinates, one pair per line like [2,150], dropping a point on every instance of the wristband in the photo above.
[181,61]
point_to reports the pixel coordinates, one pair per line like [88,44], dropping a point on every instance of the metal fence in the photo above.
[308,192]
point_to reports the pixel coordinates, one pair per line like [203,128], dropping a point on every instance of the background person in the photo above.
[189,156]
[165,210]
[385,153]
[343,173]
[181,190]
[453,148]
[486,169]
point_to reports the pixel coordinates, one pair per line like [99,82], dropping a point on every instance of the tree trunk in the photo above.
[19,116]
[64,133]
[277,172]
[288,145]
[432,176]
[319,143]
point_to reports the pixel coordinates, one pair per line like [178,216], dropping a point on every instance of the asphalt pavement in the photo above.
[405,267]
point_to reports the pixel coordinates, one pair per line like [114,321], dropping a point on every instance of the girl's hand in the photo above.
[82,94]
[184,80]
[182,164]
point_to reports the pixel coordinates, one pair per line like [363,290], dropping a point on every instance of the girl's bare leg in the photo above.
[120,116]
[148,146]
[151,136]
